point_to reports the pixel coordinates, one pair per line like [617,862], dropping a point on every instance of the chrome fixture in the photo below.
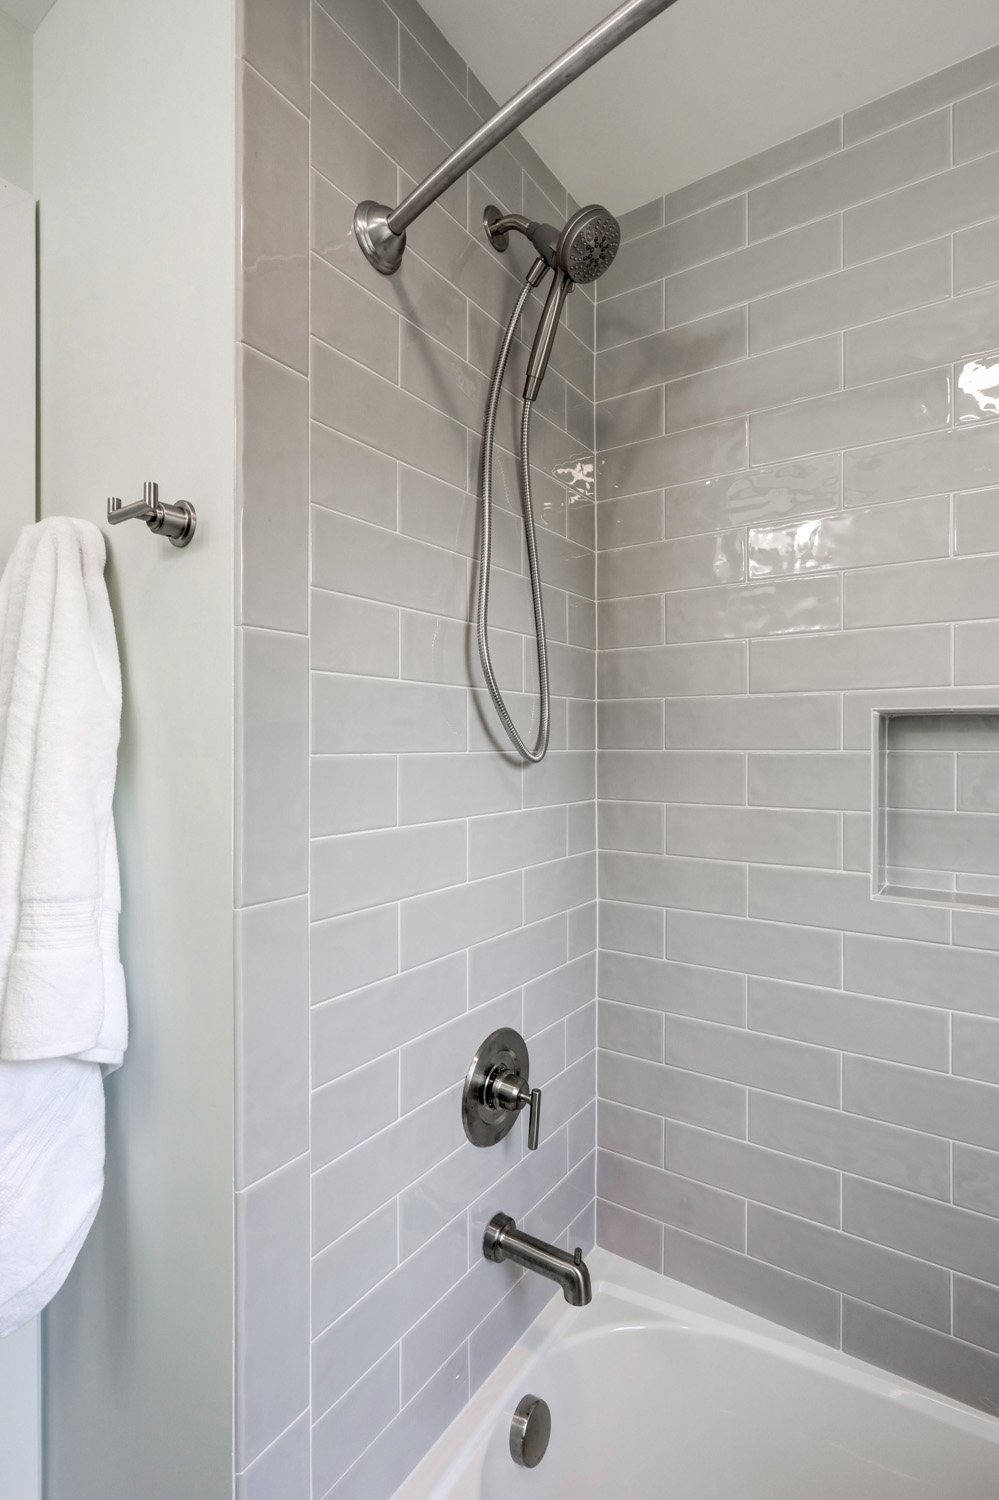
[177,522]
[504,1241]
[497,1089]
[381,230]
[530,1431]
[580,252]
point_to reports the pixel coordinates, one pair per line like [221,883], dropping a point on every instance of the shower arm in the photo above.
[381,231]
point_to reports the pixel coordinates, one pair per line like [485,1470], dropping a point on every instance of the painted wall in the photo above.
[15,102]
[799,1087]
[435,889]
[134,131]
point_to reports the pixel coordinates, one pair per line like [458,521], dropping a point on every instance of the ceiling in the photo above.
[706,83]
[28,12]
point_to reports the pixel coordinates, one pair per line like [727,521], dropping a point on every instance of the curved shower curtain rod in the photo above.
[381,231]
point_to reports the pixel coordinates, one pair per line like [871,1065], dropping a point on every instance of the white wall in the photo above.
[20,1407]
[15,102]
[134,171]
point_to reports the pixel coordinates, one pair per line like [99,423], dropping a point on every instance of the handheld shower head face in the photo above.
[588,243]
[583,251]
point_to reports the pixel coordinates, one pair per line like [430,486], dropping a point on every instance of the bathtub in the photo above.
[659,1392]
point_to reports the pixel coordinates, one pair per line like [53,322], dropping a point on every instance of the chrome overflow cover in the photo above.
[497,1089]
[530,1431]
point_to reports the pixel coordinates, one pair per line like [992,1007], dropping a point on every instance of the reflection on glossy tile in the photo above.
[976,390]
[853,539]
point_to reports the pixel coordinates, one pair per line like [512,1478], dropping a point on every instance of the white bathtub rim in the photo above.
[649,1291]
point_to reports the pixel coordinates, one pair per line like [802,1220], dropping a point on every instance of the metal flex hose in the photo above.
[485,551]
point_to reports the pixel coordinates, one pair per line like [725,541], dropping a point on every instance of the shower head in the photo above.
[582,252]
[588,244]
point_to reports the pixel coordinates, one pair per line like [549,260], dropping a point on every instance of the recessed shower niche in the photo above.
[935,796]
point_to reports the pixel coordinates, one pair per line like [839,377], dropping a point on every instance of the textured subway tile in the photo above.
[671,1199]
[925,973]
[754,1172]
[682,563]
[351,951]
[451,920]
[921,1355]
[345,156]
[858,172]
[352,793]
[272,1323]
[680,456]
[976,125]
[436,1061]
[839,899]
[350,478]
[710,341]
[850,1023]
[767,835]
[934,1102]
[961,842]
[775,492]
[976,1313]
[876,1275]
[283,1468]
[631,1029]
[851,659]
[354,635]
[630,521]
[559,994]
[976,256]
[363,406]
[954,589]
[964,77]
[672,776]
[272,767]
[638,826]
[679,989]
[976,1048]
[350,1031]
[976,523]
[866,1148]
[357,870]
[347,317]
[700,884]
[358,714]
[939,205]
[632,1235]
[631,418]
[373,27]
[760,1288]
[509,841]
[802,370]
[451,786]
[782,1067]
[352,1108]
[630,928]
[783,261]
[554,887]
[630,724]
[759,608]
[932,1231]
[927,465]
[858,538]
[847,419]
[506,962]
[630,1132]
[630,315]
[977,653]
[661,252]
[855,295]
[672,671]
[274,223]
[673,1093]
[343,1432]
[838,781]
[932,335]
[353,558]
[755,723]
[754,947]
[276,43]
[766,165]
[273,438]
[976,1179]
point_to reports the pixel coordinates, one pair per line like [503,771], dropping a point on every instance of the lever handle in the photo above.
[534,1121]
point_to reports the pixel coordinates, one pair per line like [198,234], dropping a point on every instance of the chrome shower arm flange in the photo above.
[381,245]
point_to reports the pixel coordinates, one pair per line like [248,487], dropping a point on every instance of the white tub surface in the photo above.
[658,1392]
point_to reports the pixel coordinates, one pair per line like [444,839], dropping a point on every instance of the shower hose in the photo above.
[485,555]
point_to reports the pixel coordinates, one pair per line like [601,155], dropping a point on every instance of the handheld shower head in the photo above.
[583,251]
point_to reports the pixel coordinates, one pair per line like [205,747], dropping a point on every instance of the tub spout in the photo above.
[504,1241]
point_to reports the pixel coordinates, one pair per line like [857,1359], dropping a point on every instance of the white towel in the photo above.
[62,991]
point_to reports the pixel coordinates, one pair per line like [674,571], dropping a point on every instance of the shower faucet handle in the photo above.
[497,1089]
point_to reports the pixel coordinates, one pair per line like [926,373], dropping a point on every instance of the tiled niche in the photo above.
[935,791]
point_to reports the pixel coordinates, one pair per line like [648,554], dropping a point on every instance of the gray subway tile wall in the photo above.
[405,886]
[799,1085]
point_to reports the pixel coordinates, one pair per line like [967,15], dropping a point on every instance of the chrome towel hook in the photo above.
[178,522]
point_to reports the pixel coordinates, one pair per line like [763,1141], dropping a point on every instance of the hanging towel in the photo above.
[62,993]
